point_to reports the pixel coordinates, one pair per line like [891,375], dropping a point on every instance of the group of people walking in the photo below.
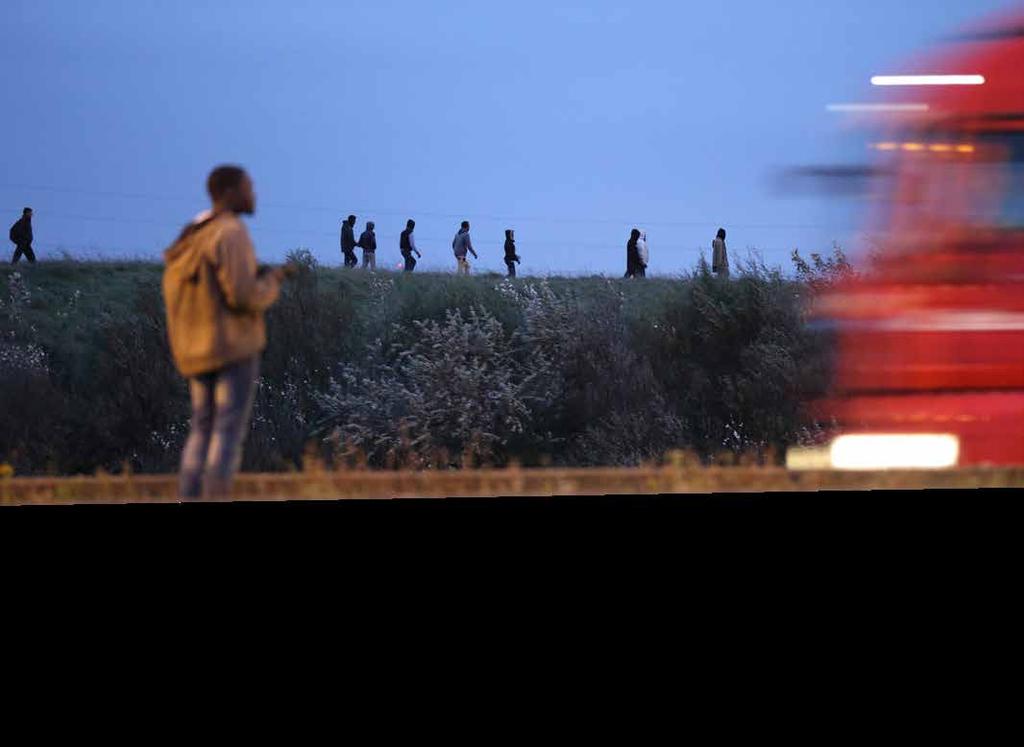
[462,247]
[637,251]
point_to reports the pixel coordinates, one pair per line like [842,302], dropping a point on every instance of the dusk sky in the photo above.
[569,122]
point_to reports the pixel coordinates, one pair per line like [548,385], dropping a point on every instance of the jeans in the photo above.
[350,259]
[410,262]
[221,406]
[463,268]
[511,268]
[370,258]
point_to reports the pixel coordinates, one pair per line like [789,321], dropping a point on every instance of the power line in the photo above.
[424,241]
[435,214]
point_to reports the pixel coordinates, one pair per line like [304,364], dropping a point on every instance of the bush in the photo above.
[463,393]
[422,370]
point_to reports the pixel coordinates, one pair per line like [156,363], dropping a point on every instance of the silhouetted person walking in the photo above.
[719,255]
[215,297]
[462,244]
[21,236]
[368,243]
[632,256]
[511,258]
[348,241]
[407,245]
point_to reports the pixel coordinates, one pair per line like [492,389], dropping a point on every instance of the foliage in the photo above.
[421,370]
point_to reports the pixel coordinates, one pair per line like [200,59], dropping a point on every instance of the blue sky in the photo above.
[570,122]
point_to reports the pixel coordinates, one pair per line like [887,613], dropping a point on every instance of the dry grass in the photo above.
[679,477]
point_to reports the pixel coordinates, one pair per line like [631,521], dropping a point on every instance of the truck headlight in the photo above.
[873,451]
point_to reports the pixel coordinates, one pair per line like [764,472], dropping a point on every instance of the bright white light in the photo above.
[895,451]
[877,107]
[927,80]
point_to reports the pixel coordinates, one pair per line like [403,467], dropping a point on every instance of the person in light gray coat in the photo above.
[462,244]
[719,255]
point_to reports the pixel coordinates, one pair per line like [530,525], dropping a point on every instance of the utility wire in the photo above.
[433,214]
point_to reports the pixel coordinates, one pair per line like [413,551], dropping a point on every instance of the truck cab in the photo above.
[929,366]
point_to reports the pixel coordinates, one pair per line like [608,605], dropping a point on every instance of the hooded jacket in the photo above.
[215,295]
[462,243]
[510,247]
[368,241]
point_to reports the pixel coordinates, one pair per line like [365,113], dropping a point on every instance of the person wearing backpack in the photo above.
[21,236]
[368,243]
[407,245]
[462,244]
[215,296]
[719,255]
[642,255]
[511,258]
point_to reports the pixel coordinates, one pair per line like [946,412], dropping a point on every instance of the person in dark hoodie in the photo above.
[511,258]
[215,296]
[407,245]
[21,236]
[348,241]
[368,243]
[632,255]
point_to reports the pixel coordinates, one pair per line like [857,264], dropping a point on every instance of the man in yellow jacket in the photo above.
[216,296]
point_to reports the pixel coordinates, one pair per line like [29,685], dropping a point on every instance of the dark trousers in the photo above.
[350,259]
[511,267]
[410,262]
[25,249]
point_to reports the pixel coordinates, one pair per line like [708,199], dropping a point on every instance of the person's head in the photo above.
[721,234]
[465,225]
[351,220]
[230,188]
[635,234]
[508,233]
[410,224]
[369,225]
[26,213]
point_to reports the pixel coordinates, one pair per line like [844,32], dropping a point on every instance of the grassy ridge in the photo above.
[421,370]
